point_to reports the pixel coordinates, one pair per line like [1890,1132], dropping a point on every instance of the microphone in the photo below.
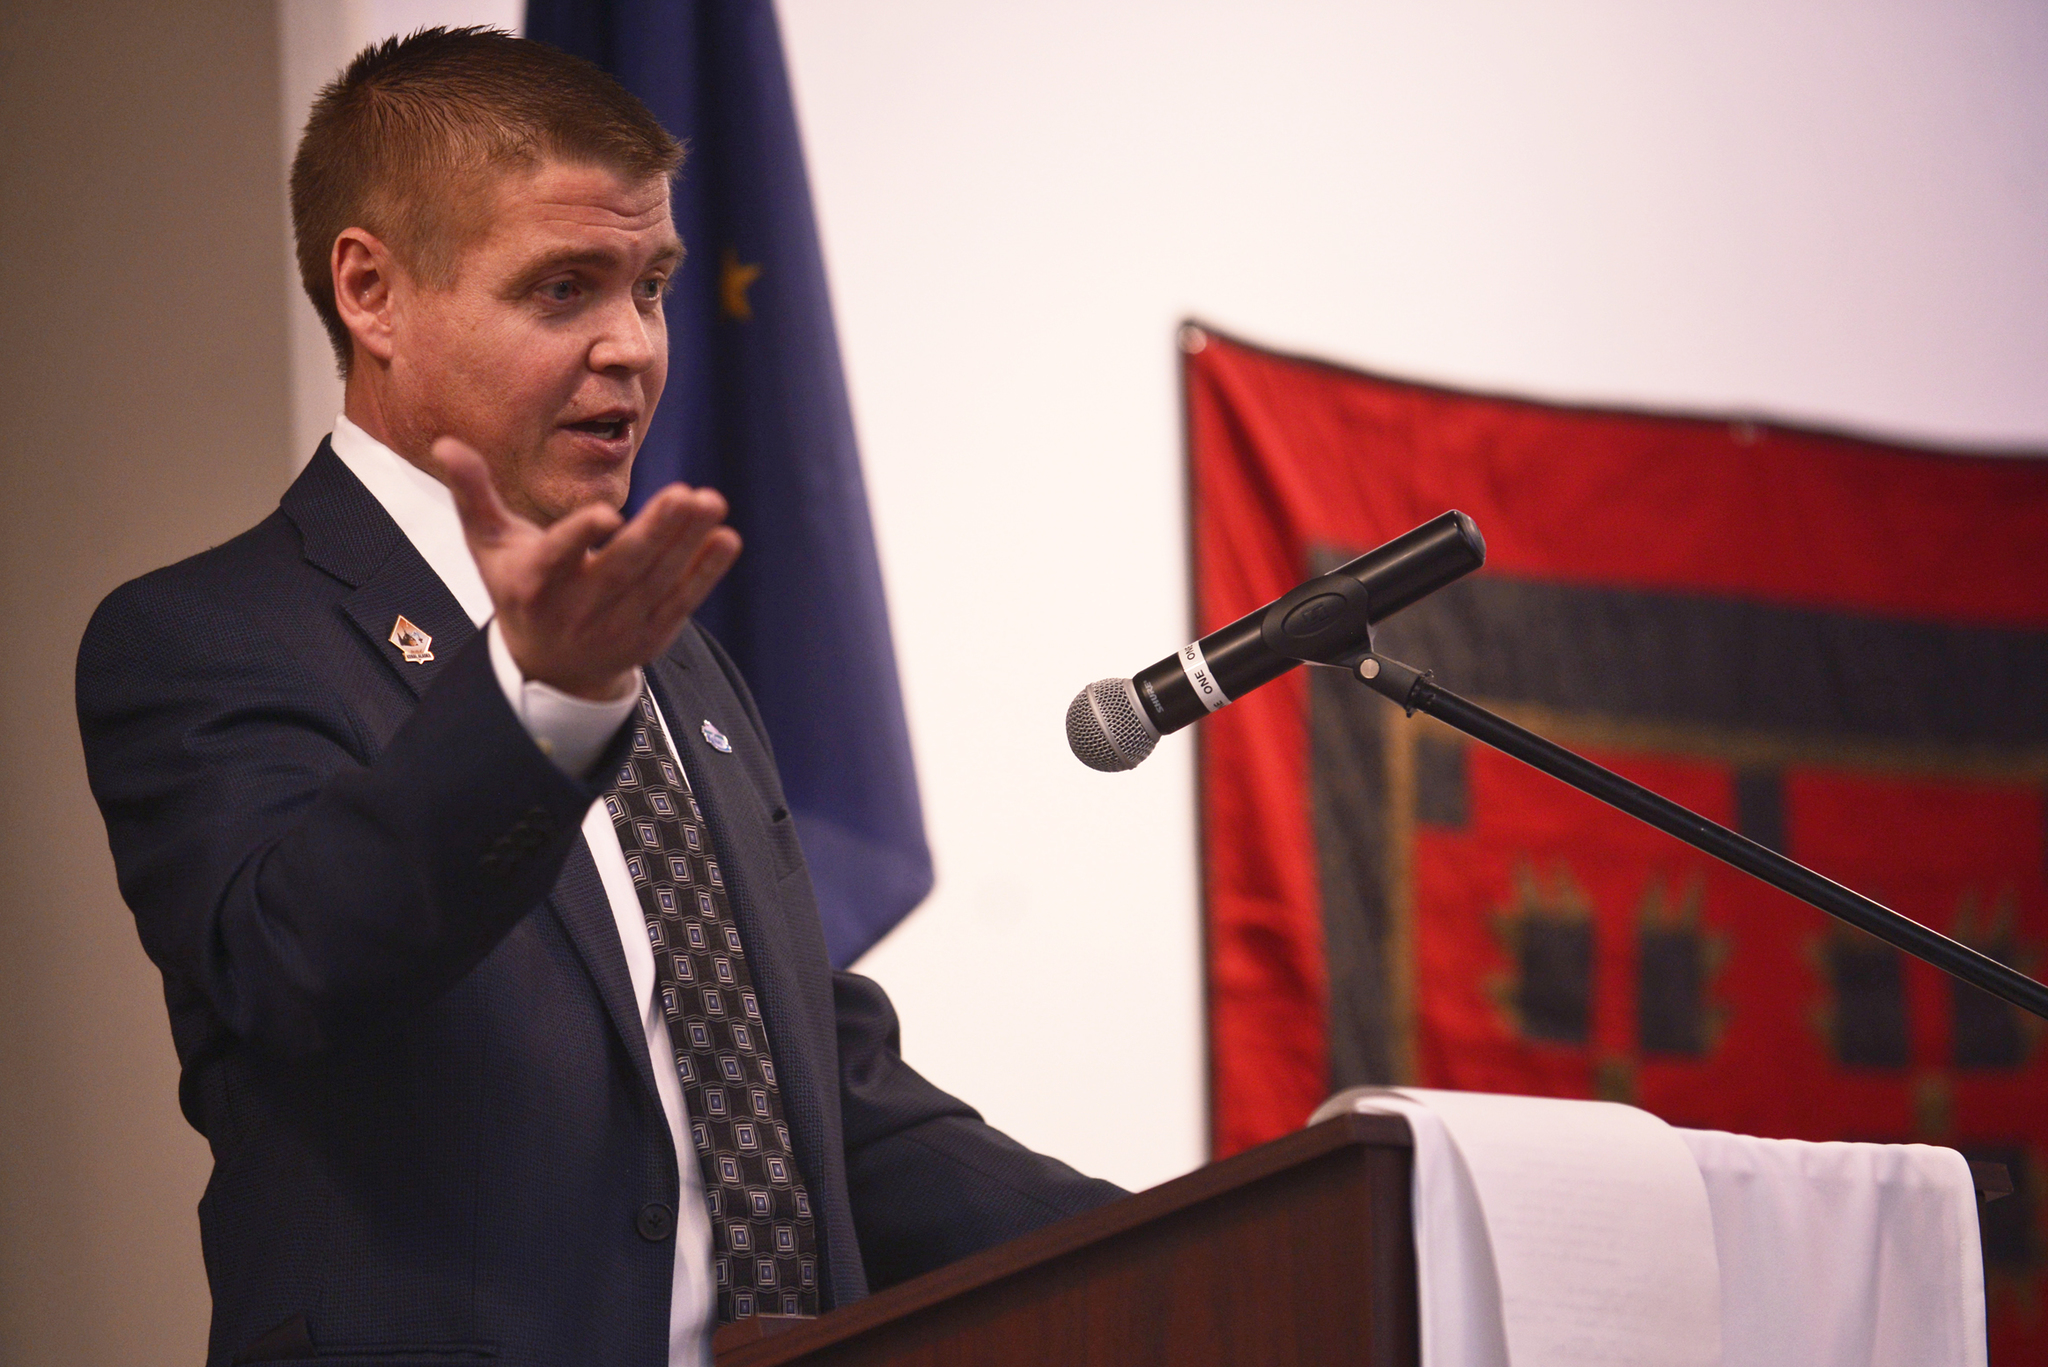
[1112,724]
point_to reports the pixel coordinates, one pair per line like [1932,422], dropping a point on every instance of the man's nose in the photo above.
[628,340]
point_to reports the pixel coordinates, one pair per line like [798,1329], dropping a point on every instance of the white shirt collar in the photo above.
[423,509]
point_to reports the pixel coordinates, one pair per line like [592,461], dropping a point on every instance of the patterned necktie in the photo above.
[764,1242]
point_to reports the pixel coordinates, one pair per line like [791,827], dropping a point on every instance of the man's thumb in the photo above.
[484,515]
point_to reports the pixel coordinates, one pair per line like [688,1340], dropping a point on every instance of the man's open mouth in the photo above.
[610,429]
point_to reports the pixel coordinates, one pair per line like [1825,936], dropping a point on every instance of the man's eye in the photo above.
[653,288]
[559,292]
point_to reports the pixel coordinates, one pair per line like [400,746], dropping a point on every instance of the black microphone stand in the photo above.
[1416,691]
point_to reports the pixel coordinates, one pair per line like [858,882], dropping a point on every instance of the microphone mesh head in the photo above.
[1106,729]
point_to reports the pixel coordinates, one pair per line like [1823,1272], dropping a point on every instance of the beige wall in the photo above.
[143,406]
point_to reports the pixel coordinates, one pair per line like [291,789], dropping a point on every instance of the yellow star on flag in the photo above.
[733,280]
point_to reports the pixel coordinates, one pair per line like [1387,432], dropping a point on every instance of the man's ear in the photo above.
[364,276]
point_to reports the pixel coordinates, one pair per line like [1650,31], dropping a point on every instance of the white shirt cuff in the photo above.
[569,730]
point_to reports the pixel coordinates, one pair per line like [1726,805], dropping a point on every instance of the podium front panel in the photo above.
[1298,1252]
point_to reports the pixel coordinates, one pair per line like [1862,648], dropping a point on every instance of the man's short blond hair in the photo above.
[409,142]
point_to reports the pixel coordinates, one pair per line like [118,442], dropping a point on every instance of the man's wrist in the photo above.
[569,729]
[603,688]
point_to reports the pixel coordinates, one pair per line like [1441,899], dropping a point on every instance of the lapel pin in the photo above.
[715,738]
[412,643]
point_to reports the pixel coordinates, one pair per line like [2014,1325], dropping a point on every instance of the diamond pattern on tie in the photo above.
[764,1241]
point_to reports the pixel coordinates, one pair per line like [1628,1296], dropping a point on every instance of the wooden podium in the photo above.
[1298,1252]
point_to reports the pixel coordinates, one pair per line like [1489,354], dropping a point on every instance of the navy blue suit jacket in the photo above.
[397,991]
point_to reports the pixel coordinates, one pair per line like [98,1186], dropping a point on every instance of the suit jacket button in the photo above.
[656,1222]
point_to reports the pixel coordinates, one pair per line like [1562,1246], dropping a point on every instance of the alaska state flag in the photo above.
[756,408]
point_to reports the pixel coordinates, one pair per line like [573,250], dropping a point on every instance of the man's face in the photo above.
[547,350]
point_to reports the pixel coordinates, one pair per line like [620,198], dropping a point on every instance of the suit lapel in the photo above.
[580,904]
[691,699]
[407,587]
[348,534]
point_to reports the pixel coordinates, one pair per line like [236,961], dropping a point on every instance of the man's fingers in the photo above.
[564,549]
[654,546]
[667,592]
[690,588]
[677,555]
[646,586]
[485,518]
[594,588]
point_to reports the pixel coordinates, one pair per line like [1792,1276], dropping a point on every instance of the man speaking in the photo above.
[491,958]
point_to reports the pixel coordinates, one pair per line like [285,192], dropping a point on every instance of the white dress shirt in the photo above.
[572,732]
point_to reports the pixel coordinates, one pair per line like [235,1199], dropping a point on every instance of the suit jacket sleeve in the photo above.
[929,1181]
[307,883]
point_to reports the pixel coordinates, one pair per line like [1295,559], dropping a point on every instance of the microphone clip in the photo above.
[1326,621]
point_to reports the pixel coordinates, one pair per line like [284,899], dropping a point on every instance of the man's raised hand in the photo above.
[585,602]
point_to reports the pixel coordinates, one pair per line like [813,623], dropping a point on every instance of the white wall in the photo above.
[1825,211]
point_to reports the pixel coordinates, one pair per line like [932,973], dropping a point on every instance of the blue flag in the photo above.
[756,408]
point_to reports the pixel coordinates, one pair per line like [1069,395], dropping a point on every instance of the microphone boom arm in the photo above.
[1416,691]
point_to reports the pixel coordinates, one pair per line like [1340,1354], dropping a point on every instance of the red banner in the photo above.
[1836,646]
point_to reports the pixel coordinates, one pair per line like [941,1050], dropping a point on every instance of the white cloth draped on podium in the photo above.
[1554,1233]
